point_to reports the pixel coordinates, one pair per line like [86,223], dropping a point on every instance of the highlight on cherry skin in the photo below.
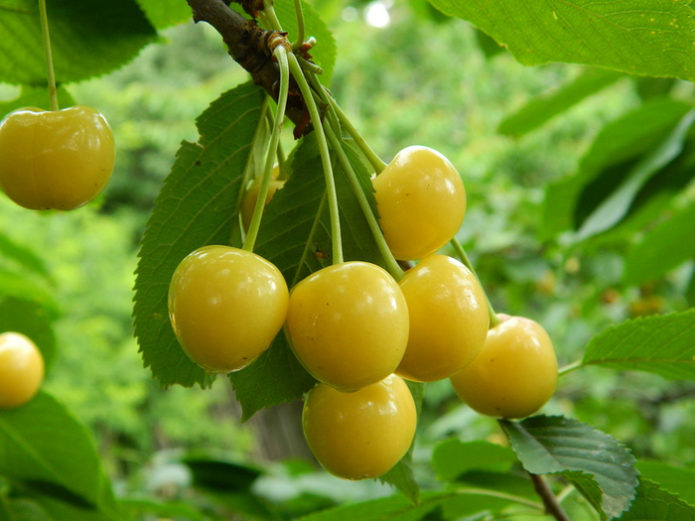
[421,202]
[226,305]
[514,374]
[21,370]
[348,324]
[449,318]
[56,160]
[361,434]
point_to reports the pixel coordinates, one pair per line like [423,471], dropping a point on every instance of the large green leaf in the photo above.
[452,458]
[654,504]
[664,345]
[616,205]
[88,39]
[163,13]
[646,37]
[616,149]
[661,249]
[601,468]
[196,206]
[30,319]
[676,480]
[47,451]
[543,108]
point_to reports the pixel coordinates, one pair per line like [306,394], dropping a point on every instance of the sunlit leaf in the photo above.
[654,504]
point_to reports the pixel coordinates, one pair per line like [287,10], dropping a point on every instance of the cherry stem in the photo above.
[569,368]
[269,17]
[371,156]
[300,24]
[305,89]
[391,263]
[52,89]
[552,505]
[281,55]
[467,262]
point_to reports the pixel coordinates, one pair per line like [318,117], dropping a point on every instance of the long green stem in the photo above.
[309,240]
[371,156]
[281,55]
[269,17]
[391,263]
[52,89]
[467,262]
[331,193]
[569,368]
[300,24]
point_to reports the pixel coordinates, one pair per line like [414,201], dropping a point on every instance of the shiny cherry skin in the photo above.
[421,201]
[55,159]
[361,434]
[514,374]
[21,370]
[448,318]
[226,305]
[348,324]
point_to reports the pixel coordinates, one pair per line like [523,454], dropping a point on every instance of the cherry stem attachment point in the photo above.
[52,89]
[466,261]
[249,242]
[331,193]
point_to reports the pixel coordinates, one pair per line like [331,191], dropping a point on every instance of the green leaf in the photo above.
[56,450]
[646,37]
[661,249]
[663,345]
[543,108]
[487,45]
[14,283]
[22,509]
[164,13]
[23,256]
[580,453]
[676,480]
[617,147]
[451,458]
[655,504]
[614,207]
[30,319]
[35,97]
[104,36]
[325,50]
[196,206]
[401,476]
[395,508]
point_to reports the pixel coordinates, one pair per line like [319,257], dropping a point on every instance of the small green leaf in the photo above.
[543,108]
[164,13]
[401,476]
[30,319]
[663,345]
[196,206]
[676,480]
[57,449]
[646,37]
[614,207]
[654,504]
[104,38]
[451,458]
[394,508]
[661,249]
[591,459]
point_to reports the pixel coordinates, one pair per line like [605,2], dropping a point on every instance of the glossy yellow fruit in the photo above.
[348,324]
[248,204]
[514,374]
[362,434]
[448,318]
[421,202]
[55,159]
[21,370]
[226,305]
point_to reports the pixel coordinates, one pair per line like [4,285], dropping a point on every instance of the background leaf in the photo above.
[582,454]
[452,458]
[164,13]
[676,480]
[196,206]
[543,108]
[649,37]
[662,248]
[30,319]
[395,508]
[664,345]
[35,97]
[654,504]
[104,38]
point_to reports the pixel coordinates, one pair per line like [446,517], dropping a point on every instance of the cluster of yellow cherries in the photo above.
[360,332]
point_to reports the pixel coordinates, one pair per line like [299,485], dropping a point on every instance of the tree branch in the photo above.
[248,44]
[552,506]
